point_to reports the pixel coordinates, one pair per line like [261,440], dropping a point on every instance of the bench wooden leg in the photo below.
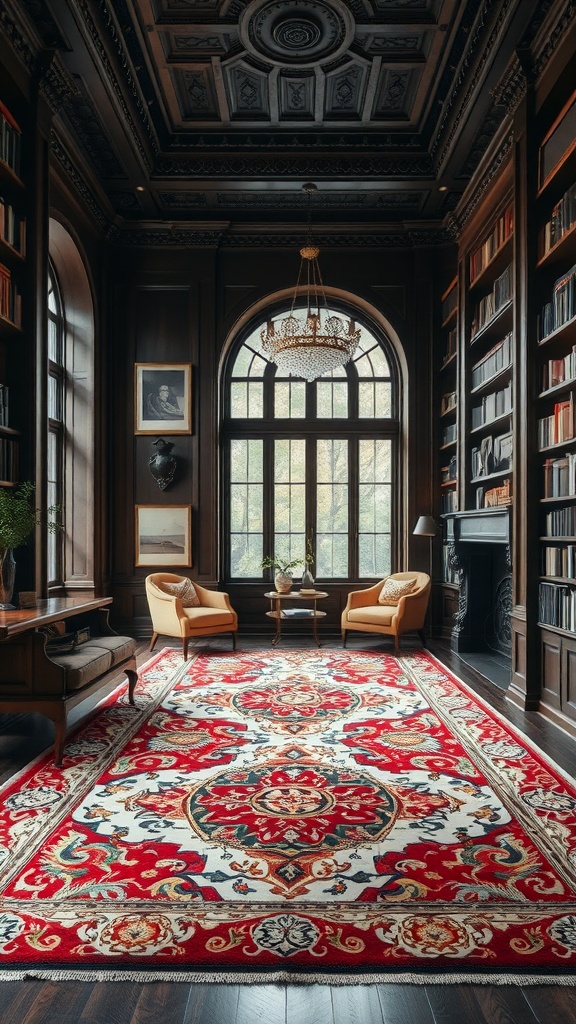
[132,680]
[58,716]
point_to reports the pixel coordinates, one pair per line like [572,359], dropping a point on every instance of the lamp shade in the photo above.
[425,527]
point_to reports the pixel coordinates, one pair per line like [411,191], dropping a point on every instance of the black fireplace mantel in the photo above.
[479,526]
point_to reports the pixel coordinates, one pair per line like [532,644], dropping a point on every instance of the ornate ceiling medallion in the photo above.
[296,32]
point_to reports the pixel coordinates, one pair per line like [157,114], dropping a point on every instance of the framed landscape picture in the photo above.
[163,535]
[163,398]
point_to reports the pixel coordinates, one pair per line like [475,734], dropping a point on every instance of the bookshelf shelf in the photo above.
[494,326]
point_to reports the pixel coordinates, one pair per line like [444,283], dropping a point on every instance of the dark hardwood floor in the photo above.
[127,1002]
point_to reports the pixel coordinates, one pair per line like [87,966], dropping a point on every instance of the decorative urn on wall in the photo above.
[162,463]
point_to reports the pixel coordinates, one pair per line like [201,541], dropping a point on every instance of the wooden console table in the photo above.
[279,613]
[34,678]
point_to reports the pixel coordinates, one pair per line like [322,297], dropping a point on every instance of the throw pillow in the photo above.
[393,590]
[185,590]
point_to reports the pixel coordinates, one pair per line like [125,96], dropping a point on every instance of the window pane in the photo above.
[246,398]
[370,360]
[374,507]
[53,347]
[246,507]
[374,399]
[332,508]
[289,399]
[289,498]
[54,398]
[248,363]
[331,399]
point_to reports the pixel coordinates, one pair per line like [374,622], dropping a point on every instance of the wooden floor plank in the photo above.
[57,1002]
[554,1004]
[261,1004]
[112,1001]
[356,1004]
[405,1004]
[211,1004]
[16,998]
[504,1004]
[309,1003]
[161,1002]
[455,1004]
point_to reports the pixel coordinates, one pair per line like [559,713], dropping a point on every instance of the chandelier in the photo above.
[314,342]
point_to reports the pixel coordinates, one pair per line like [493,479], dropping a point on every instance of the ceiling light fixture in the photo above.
[316,342]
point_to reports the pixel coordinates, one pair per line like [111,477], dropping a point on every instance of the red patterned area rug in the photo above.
[338,817]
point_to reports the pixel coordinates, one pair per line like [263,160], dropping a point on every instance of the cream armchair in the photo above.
[364,612]
[170,616]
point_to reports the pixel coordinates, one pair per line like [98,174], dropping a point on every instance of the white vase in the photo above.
[7,575]
[283,582]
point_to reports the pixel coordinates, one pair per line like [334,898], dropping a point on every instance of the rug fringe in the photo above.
[289,978]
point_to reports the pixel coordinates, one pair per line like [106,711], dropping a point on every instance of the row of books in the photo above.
[3,405]
[449,501]
[561,221]
[449,434]
[497,359]
[561,522]
[10,298]
[451,344]
[449,473]
[563,306]
[492,303]
[10,139]
[559,561]
[500,233]
[8,460]
[560,476]
[448,402]
[558,371]
[491,406]
[449,302]
[560,426]
[12,226]
[557,606]
[494,455]
[494,496]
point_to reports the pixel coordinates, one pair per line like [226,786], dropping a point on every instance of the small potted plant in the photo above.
[18,518]
[283,574]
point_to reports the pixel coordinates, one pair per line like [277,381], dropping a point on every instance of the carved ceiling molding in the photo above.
[564,20]
[57,85]
[506,97]
[499,160]
[297,166]
[279,141]
[485,59]
[84,7]
[88,128]
[165,237]
[61,154]
[19,44]
[416,238]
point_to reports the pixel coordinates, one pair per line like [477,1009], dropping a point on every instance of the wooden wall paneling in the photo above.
[568,676]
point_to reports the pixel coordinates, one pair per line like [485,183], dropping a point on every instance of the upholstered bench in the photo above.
[37,676]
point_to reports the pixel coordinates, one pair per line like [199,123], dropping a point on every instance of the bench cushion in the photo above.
[120,647]
[83,665]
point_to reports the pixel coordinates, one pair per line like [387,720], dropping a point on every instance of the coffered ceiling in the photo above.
[217,110]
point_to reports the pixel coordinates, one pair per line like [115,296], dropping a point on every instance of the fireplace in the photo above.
[479,553]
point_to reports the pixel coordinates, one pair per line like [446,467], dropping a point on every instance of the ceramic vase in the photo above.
[307,580]
[283,582]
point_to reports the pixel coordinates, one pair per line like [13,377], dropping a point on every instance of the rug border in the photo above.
[527,740]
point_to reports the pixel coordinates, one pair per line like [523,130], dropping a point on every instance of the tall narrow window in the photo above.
[311,462]
[56,435]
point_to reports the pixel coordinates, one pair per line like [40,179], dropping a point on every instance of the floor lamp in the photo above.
[426,527]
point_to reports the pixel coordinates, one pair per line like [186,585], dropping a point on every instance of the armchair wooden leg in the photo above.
[344,637]
[422,636]
[153,641]
[396,644]
[233,641]
[185,648]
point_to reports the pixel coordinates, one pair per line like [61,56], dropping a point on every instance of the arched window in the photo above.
[56,404]
[310,462]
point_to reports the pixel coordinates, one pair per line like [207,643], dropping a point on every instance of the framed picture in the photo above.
[163,398]
[163,535]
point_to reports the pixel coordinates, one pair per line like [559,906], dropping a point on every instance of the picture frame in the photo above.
[503,451]
[163,535]
[162,398]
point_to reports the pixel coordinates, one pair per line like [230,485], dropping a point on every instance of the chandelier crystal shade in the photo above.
[312,342]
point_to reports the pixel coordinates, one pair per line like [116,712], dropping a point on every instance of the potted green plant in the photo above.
[18,518]
[283,574]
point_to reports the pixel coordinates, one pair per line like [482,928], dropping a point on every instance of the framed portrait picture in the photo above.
[163,398]
[163,535]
